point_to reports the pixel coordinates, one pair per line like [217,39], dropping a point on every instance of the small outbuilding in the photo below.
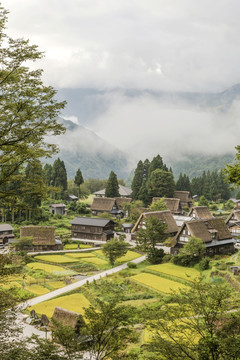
[6,234]
[58,209]
[68,318]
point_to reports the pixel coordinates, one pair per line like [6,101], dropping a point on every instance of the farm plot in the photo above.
[75,246]
[82,255]
[175,270]
[158,283]
[58,259]
[74,302]
[95,261]
[53,269]
[37,289]
[130,255]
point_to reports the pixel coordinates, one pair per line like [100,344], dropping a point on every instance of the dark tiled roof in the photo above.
[90,221]
[123,191]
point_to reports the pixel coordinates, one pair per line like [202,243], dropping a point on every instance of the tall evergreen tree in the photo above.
[112,188]
[161,183]
[137,180]
[156,163]
[48,174]
[146,165]
[78,180]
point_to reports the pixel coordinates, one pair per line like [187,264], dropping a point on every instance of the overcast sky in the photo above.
[170,45]
[157,44]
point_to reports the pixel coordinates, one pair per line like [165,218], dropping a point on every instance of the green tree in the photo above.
[78,180]
[59,176]
[161,183]
[28,108]
[112,188]
[156,163]
[203,201]
[197,325]
[149,236]
[158,205]
[114,249]
[137,180]
[109,326]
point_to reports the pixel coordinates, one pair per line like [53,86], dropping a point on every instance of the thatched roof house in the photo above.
[173,204]
[200,212]
[233,222]
[213,232]
[121,200]
[123,191]
[68,318]
[184,197]
[43,237]
[165,216]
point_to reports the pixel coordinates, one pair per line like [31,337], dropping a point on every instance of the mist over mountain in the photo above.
[82,148]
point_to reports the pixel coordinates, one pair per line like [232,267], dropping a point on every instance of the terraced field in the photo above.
[158,283]
[37,289]
[175,270]
[130,255]
[53,269]
[73,302]
[58,259]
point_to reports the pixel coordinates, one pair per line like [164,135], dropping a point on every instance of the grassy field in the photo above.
[75,246]
[73,302]
[130,255]
[37,289]
[175,270]
[53,269]
[158,283]
[58,259]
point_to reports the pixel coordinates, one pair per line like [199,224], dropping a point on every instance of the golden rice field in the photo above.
[140,302]
[74,302]
[175,270]
[158,283]
[130,255]
[56,284]
[81,255]
[75,246]
[58,259]
[54,269]
[10,285]
[37,289]
[95,260]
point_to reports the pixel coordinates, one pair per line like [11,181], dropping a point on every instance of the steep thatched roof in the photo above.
[200,212]
[67,318]
[121,200]
[171,203]
[184,196]
[203,229]
[235,214]
[123,191]
[165,216]
[42,235]
[103,204]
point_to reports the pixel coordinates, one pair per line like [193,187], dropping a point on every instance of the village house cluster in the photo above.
[218,235]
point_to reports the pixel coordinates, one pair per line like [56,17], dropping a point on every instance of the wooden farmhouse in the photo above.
[92,229]
[213,232]
[233,223]
[200,212]
[165,216]
[113,206]
[184,197]
[6,234]
[43,237]
[123,192]
[58,209]
[173,204]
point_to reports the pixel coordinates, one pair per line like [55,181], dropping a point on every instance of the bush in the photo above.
[132,265]
[167,258]
[204,264]
[155,256]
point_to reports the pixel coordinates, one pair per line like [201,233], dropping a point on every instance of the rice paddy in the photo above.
[58,259]
[37,289]
[53,269]
[81,255]
[130,255]
[158,283]
[95,260]
[76,246]
[175,270]
[74,302]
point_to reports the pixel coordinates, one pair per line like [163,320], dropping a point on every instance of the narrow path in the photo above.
[76,285]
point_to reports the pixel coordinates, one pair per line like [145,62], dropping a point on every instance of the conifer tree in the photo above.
[161,183]
[78,180]
[137,180]
[156,163]
[112,188]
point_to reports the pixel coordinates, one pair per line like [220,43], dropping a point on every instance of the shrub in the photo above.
[132,265]
[204,264]
[155,256]
[167,258]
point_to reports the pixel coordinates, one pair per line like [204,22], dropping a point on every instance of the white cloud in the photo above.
[156,44]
